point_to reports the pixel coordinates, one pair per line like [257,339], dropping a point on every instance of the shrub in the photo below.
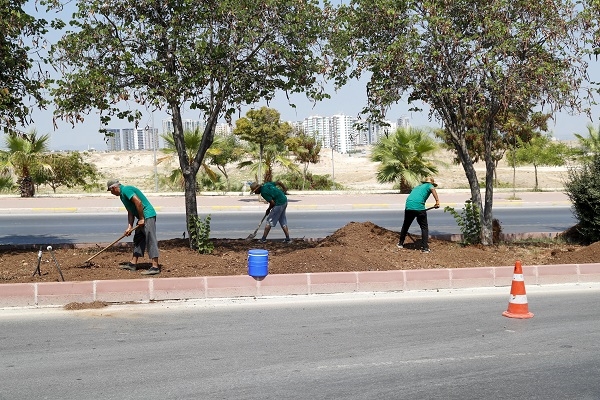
[200,235]
[468,221]
[583,188]
[313,182]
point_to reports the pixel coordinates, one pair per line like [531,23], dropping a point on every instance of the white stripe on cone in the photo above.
[518,299]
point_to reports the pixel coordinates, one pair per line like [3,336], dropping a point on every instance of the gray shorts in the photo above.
[145,238]
[276,215]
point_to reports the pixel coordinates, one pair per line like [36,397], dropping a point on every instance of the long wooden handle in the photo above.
[92,257]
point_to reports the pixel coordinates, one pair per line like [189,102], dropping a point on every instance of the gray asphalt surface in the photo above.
[411,345]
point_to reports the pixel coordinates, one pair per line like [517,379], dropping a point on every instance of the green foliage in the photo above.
[215,57]
[583,188]
[192,140]
[312,182]
[306,150]
[66,170]
[471,63]
[590,144]
[540,151]
[263,128]
[18,81]
[6,182]
[199,230]
[273,154]
[403,158]
[468,221]
[23,157]
[223,152]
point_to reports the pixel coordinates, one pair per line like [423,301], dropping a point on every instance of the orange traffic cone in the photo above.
[517,304]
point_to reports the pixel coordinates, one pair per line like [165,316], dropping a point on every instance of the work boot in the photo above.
[151,271]
[128,266]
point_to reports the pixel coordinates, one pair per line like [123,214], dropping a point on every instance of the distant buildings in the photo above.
[340,132]
[343,132]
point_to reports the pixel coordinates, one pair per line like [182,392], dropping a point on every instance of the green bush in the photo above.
[313,182]
[583,188]
[468,221]
[200,235]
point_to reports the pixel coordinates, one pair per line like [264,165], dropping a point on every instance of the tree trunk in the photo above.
[26,187]
[404,186]
[487,230]
[467,162]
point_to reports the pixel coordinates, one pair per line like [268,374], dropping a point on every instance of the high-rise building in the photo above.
[151,139]
[318,127]
[343,133]
[404,122]
[188,125]
[223,130]
[113,139]
[128,139]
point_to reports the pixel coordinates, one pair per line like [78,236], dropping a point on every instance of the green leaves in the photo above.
[469,222]
[403,158]
[199,230]
[20,87]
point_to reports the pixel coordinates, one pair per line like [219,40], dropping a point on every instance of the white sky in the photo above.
[349,100]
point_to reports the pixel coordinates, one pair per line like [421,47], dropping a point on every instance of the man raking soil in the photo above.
[415,208]
[277,206]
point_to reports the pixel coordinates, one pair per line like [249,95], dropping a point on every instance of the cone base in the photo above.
[521,316]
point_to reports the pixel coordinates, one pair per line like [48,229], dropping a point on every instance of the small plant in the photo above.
[200,235]
[468,221]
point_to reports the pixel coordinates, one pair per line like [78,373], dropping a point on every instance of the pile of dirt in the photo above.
[355,247]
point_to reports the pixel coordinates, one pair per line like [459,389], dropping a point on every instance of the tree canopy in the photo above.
[209,56]
[20,84]
[468,61]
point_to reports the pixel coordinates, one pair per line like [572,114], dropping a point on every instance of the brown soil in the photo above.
[355,247]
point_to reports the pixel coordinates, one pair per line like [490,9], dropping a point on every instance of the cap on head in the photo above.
[429,179]
[254,186]
[111,183]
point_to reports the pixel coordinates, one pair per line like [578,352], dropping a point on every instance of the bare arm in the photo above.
[437,199]
[140,209]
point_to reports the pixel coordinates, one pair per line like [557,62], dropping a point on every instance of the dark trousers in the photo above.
[409,217]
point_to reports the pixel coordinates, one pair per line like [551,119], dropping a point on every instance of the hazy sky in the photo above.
[349,100]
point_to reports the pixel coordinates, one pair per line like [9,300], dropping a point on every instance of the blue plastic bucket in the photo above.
[258,263]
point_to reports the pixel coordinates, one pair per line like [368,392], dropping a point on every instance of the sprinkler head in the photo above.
[49,248]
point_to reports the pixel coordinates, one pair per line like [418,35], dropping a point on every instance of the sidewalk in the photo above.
[158,289]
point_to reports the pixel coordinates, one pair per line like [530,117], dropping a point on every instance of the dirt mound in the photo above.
[355,247]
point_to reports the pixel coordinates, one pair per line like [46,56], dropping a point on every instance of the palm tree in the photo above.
[22,158]
[192,141]
[591,144]
[403,158]
[272,155]
[223,152]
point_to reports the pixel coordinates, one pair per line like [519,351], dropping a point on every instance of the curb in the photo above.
[48,294]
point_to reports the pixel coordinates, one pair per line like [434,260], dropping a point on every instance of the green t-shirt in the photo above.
[127,193]
[271,192]
[418,196]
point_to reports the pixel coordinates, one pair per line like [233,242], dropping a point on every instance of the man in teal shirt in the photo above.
[277,206]
[415,208]
[138,207]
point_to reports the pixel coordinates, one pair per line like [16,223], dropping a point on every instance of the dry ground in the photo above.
[355,247]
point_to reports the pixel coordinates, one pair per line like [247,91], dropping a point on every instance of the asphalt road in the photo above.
[44,229]
[410,345]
